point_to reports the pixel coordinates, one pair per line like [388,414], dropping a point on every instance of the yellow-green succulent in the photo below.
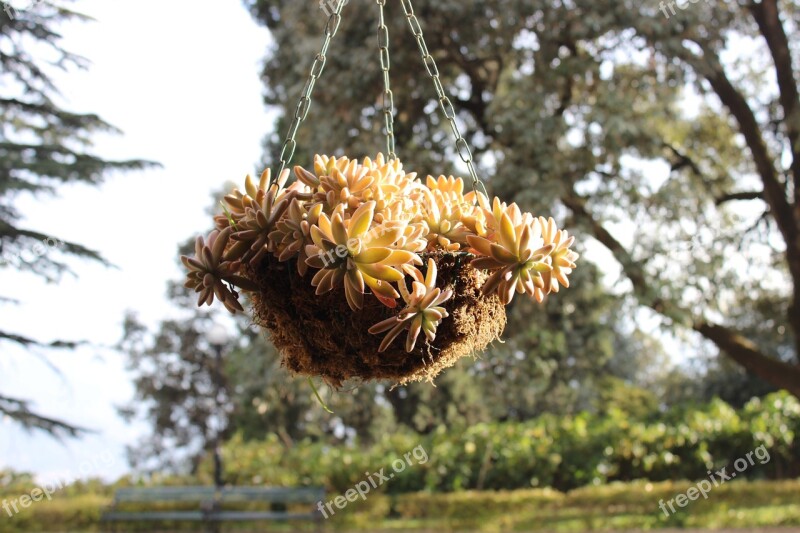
[443,211]
[343,254]
[422,314]
[514,249]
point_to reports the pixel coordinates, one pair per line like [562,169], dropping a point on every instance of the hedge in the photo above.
[551,451]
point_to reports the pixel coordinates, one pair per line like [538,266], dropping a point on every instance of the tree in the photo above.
[585,105]
[176,386]
[42,147]
[764,110]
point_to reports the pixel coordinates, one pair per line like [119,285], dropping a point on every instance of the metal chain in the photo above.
[388,97]
[301,111]
[462,146]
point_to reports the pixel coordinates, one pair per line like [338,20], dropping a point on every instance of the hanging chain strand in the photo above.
[462,146]
[388,97]
[301,111]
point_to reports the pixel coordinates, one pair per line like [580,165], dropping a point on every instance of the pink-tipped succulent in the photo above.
[520,258]
[422,314]
[362,226]
[344,255]
[208,272]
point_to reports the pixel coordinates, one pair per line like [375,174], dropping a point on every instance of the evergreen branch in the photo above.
[20,411]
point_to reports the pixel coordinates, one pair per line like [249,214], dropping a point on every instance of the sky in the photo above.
[181,79]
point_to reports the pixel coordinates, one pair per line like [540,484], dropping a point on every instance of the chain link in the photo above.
[388,97]
[303,106]
[462,146]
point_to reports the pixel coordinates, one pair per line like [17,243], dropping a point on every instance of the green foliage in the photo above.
[563,452]
[177,386]
[618,395]
[554,355]
[617,506]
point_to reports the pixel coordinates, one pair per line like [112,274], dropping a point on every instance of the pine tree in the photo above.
[42,147]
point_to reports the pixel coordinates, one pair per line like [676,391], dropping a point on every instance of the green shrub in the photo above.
[559,452]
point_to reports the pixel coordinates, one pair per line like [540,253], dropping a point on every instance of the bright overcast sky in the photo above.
[181,79]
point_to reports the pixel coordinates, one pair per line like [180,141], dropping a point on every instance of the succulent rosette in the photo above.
[368,227]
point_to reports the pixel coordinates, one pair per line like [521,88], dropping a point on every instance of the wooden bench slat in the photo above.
[272,490]
[165,516]
[211,503]
[244,516]
[272,494]
[165,494]
[168,489]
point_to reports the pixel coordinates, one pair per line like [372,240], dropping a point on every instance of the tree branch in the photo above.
[774,193]
[19,411]
[737,347]
[747,354]
[738,196]
[28,342]
[632,268]
[682,161]
[768,19]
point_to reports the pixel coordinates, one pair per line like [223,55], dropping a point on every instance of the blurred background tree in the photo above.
[42,148]
[673,140]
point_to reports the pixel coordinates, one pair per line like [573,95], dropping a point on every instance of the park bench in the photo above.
[214,506]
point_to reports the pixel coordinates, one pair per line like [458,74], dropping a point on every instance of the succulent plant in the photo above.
[361,225]
[236,202]
[208,272]
[443,208]
[447,185]
[343,181]
[261,214]
[422,313]
[344,186]
[344,255]
[293,233]
[562,258]
[515,251]
[390,189]
[324,165]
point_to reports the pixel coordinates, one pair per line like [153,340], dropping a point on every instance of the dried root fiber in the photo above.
[322,336]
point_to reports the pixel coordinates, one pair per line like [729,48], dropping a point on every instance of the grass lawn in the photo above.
[615,507]
[738,506]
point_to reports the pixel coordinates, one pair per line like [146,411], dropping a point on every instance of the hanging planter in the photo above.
[362,270]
